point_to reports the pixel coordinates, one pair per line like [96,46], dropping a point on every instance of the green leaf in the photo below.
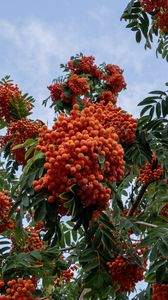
[91,265]
[74,235]
[151,112]
[158,110]
[154,253]
[148,100]
[36,254]
[143,111]
[163,247]
[40,212]
[97,239]
[164,107]
[88,257]
[3,124]
[138,36]
[67,237]
[156,265]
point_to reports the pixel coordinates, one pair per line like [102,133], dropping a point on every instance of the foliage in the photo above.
[148,19]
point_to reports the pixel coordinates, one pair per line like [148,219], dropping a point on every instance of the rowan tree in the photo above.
[84,206]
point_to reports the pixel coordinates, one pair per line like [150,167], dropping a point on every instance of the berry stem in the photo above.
[137,201]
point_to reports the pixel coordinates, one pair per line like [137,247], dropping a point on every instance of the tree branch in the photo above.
[137,200]
[84,291]
[146,224]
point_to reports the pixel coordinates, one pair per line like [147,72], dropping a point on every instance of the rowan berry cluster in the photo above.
[68,92]
[153,171]
[84,65]
[159,10]
[40,225]
[31,240]
[125,274]
[113,78]
[79,150]
[107,97]
[153,5]
[65,276]
[18,289]
[5,207]
[159,291]
[18,132]
[123,123]
[161,20]
[10,95]
[109,80]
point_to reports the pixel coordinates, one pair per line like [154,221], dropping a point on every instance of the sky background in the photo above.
[36,36]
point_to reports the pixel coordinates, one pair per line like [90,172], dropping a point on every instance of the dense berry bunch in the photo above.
[125,274]
[18,132]
[78,85]
[107,97]
[159,9]
[31,240]
[108,115]
[161,20]
[19,289]
[84,65]
[79,150]
[65,276]
[5,207]
[56,90]
[85,78]
[114,79]
[68,92]
[159,291]
[153,171]
[10,94]
[153,5]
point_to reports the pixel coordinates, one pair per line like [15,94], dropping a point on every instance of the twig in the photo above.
[84,291]
[146,224]
[137,200]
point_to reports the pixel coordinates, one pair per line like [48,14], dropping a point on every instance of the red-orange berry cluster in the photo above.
[125,274]
[114,79]
[84,65]
[159,291]
[107,97]
[10,93]
[19,289]
[159,10]
[76,86]
[109,80]
[31,241]
[65,276]
[18,132]
[161,20]
[153,171]
[5,207]
[123,123]
[40,225]
[79,150]
[153,5]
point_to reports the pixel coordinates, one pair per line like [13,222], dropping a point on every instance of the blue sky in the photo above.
[36,36]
